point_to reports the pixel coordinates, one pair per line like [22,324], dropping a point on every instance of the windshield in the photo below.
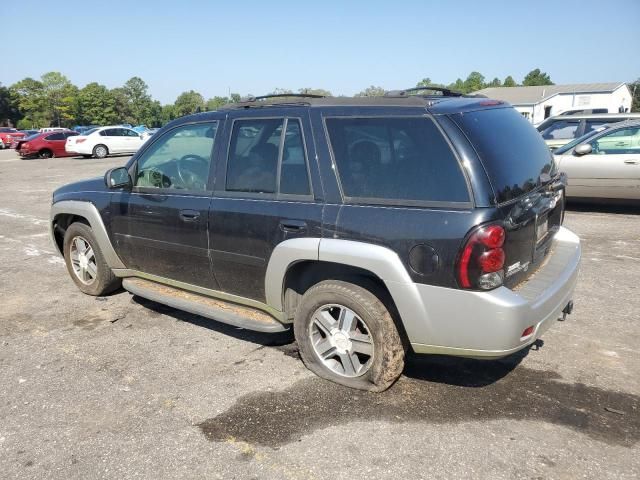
[514,155]
[577,141]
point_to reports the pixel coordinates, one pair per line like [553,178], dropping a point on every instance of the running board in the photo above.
[219,310]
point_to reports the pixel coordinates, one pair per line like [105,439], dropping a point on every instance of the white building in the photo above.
[538,103]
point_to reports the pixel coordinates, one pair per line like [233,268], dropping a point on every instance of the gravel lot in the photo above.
[120,387]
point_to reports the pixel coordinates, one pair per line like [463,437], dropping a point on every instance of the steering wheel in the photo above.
[192,170]
[155,178]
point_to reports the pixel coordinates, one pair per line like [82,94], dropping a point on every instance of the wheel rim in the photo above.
[83,260]
[101,152]
[45,155]
[341,340]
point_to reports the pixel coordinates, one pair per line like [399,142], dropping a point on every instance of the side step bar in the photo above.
[225,312]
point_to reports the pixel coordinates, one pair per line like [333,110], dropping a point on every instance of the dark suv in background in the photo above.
[369,225]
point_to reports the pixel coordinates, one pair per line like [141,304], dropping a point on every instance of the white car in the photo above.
[604,164]
[103,141]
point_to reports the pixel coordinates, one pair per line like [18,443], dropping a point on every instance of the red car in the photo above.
[8,135]
[45,145]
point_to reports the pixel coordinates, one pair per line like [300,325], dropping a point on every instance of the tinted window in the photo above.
[294,176]
[90,131]
[109,132]
[252,165]
[130,133]
[55,136]
[404,159]
[511,150]
[70,134]
[592,125]
[561,130]
[179,159]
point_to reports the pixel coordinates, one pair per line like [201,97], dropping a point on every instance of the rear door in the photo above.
[111,138]
[55,142]
[131,140]
[264,195]
[611,170]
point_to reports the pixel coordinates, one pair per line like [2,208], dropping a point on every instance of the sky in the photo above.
[253,47]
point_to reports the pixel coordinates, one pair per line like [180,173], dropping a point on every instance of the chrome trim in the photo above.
[228,297]
[90,213]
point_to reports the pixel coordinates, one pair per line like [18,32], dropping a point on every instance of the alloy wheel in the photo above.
[83,260]
[341,340]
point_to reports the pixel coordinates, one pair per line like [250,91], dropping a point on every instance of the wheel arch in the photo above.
[66,212]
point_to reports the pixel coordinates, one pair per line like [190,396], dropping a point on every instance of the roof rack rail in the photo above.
[407,91]
[281,95]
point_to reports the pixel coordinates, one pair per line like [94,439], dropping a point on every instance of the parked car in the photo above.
[8,135]
[447,241]
[52,129]
[584,111]
[45,145]
[603,164]
[561,129]
[103,141]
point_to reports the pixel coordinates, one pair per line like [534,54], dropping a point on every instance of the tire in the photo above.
[374,372]
[100,151]
[45,153]
[102,280]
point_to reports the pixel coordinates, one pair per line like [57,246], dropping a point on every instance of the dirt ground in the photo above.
[120,387]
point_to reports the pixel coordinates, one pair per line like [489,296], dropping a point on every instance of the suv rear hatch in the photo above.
[528,189]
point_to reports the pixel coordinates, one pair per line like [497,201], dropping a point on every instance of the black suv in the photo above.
[369,225]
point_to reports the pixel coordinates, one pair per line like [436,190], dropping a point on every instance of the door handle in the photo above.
[189,215]
[631,162]
[293,225]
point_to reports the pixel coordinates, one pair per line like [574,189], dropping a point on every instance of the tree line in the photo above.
[54,101]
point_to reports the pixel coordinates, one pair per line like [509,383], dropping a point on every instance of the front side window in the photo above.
[404,159]
[620,142]
[180,159]
[258,152]
[131,133]
[561,130]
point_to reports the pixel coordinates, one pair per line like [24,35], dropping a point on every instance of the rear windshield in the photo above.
[399,160]
[513,153]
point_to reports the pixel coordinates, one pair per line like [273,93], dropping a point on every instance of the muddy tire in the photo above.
[85,262]
[346,335]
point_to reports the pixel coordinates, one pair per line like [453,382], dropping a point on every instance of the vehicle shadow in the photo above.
[626,207]
[463,372]
[280,339]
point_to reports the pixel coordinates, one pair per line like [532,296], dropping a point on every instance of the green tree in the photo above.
[188,103]
[138,101]
[9,110]
[122,106]
[457,86]
[494,83]
[30,98]
[96,105]
[371,91]
[215,103]
[635,92]
[536,77]
[475,81]
[60,98]
[315,91]
[235,98]
[509,82]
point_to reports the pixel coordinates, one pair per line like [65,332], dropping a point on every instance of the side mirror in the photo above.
[118,178]
[583,149]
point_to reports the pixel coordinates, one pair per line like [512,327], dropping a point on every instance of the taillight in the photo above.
[481,262]
[80,140]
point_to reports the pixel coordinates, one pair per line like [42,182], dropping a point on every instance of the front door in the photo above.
[267,191]
[611,170]
[160,226]
[131,140]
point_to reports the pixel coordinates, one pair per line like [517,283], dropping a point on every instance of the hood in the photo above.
[89,185]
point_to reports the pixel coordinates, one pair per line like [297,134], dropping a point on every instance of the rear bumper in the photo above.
[490,324]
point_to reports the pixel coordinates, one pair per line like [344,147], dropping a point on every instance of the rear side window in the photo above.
[395,160]
[561,130]
[514,155]
[55,136]
[263,161]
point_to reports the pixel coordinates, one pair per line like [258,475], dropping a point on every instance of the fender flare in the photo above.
[381,261]
[90,213]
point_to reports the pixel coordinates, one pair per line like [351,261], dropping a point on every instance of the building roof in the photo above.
[537,94]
